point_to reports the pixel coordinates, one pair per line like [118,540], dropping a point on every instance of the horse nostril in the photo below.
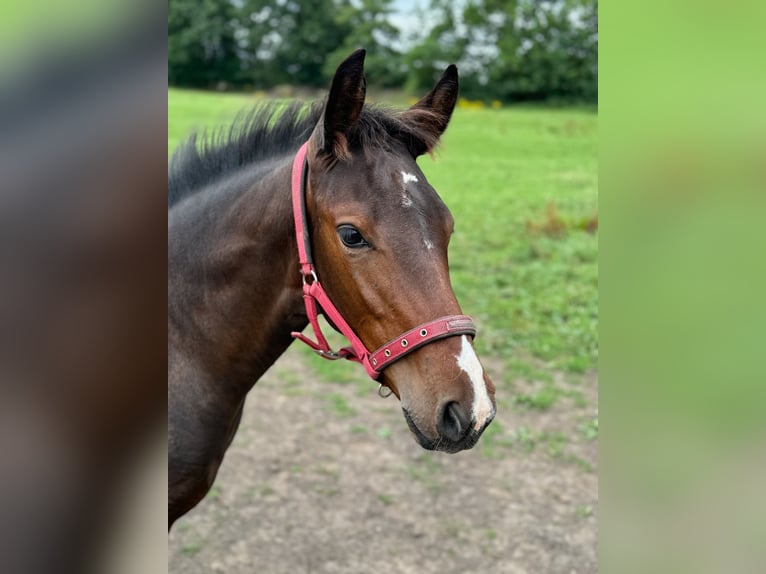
[453,422]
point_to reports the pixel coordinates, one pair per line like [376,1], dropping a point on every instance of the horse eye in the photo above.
[351,237]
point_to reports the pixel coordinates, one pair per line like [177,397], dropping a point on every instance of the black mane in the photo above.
[273,129]
[265,131]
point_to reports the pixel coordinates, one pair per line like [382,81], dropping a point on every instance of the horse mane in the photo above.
[273,129]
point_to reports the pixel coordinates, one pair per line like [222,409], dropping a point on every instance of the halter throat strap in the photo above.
[315,297]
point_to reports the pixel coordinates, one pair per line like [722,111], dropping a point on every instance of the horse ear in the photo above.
[344,104]
[433,112]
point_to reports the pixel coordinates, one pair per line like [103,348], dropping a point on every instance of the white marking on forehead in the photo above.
[408,177]
[428,244]
[469,362]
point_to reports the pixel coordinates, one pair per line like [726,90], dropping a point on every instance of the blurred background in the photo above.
[509,51]
[83,96]
[323,475]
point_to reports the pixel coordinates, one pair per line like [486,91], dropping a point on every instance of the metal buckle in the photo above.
[331,355]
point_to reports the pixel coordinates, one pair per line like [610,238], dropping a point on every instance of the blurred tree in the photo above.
[370,28]
[533,49]
[510,50]
[202,50]
[441,44]
[303,33]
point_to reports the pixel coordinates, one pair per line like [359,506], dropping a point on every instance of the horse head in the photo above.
[380,235]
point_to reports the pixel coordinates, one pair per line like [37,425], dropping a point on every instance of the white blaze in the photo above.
[469,362]
[428,244]
[406,178]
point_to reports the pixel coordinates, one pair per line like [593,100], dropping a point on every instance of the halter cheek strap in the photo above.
[314,295]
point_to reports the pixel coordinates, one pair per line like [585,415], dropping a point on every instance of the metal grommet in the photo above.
[404,342]
[423,332]
[387,352]
[374,361]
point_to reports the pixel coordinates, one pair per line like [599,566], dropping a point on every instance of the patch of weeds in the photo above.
[214,493]
[337,372]
[386,499]
[553,224]
[585,511]
[325,490]
[296,468]
[578,398]
[518,368]
[583,464]
[589,428]
[289,378]
[191,548]
[266,490]
[384,432]
[493,439]
[578,363]
[524,439]
[426,470]
[490,534]
[358,429]
[363,387]
[542,400]
[554,443]
[338,404]
[333,473]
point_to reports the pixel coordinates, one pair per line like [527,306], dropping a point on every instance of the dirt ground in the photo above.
[325,478]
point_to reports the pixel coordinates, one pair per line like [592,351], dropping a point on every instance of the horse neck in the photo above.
[234,288]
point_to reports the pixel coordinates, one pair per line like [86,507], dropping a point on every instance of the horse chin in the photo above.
[441,444]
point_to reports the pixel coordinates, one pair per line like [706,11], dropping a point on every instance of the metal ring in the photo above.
[381,391]
[313,276]
[423,332]
[404,342]
[387,352]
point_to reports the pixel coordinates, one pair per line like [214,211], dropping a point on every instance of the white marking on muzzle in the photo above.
[469,362]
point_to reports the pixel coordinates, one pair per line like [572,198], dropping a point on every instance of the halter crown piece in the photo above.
[314,294]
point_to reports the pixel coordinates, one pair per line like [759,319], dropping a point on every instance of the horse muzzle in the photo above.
[456,431]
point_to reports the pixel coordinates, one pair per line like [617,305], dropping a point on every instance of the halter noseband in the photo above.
[314,294]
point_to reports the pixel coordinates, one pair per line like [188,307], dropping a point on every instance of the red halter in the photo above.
[313,293]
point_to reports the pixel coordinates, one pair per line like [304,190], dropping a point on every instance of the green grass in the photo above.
[534,293]
[522,184]
[386,499]
[338,404]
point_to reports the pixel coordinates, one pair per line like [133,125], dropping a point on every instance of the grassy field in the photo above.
[522,184]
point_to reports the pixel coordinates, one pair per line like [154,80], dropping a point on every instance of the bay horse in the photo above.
[337,189]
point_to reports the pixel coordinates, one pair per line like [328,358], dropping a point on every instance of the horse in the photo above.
[296,212]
